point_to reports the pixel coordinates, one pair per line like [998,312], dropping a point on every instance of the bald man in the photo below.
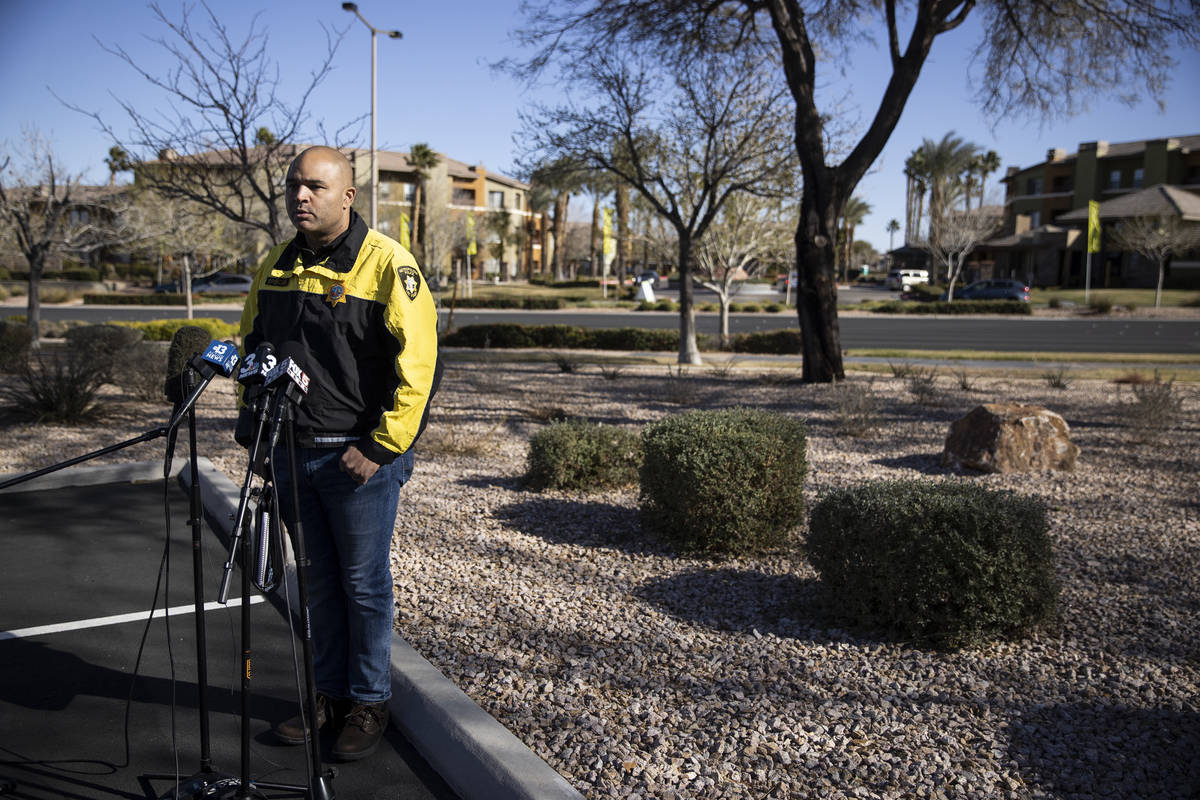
[350,306]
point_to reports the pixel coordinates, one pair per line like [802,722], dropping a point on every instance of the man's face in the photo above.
[318,198]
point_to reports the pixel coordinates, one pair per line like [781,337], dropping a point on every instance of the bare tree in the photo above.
[1157,239]
[1049,58]
[960,232]
[685,146]
[49,213]
[748,236]
[444,229]
[229,135]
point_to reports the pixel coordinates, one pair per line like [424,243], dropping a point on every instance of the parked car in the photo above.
[995,289]
[782,282]
[902,279]
[225,284]
[648,276]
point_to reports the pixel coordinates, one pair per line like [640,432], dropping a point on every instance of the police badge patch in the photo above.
[410,281]
[337,294]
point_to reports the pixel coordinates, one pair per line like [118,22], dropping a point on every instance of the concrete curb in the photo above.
[477,756]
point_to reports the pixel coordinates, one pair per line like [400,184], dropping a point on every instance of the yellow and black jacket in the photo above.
[358,317]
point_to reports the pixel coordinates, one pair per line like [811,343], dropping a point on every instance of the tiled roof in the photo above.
[1157,201]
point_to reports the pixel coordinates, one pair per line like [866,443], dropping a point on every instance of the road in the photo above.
[1018,334]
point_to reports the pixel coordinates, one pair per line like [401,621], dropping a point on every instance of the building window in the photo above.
[1033,186]
[495,199]
[1063,183]
[464,197]
[1035,219]
[1114,179]
[410,192]
[517,201]
[1139,175]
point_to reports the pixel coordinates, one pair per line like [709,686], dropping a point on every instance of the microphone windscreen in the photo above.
[188,341]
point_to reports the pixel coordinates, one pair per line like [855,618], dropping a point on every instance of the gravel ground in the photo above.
[638,673]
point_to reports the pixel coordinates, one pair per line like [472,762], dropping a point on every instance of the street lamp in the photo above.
[353,8]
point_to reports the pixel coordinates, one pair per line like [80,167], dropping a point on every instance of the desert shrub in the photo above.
[947,564]
[141,371]
[53,295]
[612,371]
[1057,378]
[577,454]
[966,381]
[724,482]
[773,308]
[56,387]
[15,341]
[566,364]
[1055,302]
[105,345]
[4,295]
[1101,305]
[922,385]
[1156,409]
[901,370]
[856,408]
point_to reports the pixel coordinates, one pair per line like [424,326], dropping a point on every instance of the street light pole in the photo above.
[353,7]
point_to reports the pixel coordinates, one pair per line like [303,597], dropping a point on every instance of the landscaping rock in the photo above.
[1004,437]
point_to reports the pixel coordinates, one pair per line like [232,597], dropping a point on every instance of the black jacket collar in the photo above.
[338,256]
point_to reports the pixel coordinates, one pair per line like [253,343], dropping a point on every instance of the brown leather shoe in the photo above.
[362,731]
[292,731]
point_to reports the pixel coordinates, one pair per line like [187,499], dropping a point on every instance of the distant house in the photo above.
[1045,212]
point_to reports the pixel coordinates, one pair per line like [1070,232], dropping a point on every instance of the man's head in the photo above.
[319,192]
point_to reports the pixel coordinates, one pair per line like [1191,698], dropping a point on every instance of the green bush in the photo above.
[15,341]
[141,370]
[724,482]
[81,274]
[1101,305]
[104,345]
[636,339]
[576,454]
[947,564]
[784,342]
[163,330]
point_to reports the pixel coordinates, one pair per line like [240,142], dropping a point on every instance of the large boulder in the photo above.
[1005,437]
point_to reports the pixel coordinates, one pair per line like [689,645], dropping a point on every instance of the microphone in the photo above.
[254,371]
[218,357]
[294,383]
[187,341]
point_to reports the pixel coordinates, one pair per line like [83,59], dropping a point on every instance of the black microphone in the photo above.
[291,385]
[218,357]
[254,371]
[188,341]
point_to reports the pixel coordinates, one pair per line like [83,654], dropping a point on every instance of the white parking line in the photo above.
[119,619]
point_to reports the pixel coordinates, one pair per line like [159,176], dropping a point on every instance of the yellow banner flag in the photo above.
[404,238]
[471,248]
[609,245]
[1093,230]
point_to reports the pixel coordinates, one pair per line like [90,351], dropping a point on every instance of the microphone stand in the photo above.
[202,783]
[244,788]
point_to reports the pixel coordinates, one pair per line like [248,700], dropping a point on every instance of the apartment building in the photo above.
[1041,247]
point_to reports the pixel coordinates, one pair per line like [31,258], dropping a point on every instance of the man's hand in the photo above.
[357,466]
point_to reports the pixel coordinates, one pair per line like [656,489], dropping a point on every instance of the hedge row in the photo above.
[955,307]
[508,335]
[163,330]
[161,299]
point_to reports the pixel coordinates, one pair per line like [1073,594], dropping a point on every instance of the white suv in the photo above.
[902,279]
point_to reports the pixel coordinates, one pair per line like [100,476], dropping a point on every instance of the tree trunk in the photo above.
[33,305]
[724,299]
[1162,273]
[816,294]
[416,216]
[560,233]
[689,351]
[624,235]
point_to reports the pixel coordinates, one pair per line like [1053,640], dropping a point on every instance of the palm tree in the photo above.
[853,213]
[421,158]
[944,164]
[892,227]
[562,177]
[915,174]
[989,162]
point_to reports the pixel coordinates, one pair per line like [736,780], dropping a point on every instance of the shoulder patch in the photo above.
[280,280]
[410,281]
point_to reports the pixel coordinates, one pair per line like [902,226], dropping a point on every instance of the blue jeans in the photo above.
[347,538]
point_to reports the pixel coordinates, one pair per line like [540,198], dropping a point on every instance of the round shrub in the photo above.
[577,454]
[947,564]
[103,345]
[16,339]
[724,482]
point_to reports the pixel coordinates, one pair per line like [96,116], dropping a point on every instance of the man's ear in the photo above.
[348,200]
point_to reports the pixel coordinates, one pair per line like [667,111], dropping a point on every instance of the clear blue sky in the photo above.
[436,86]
